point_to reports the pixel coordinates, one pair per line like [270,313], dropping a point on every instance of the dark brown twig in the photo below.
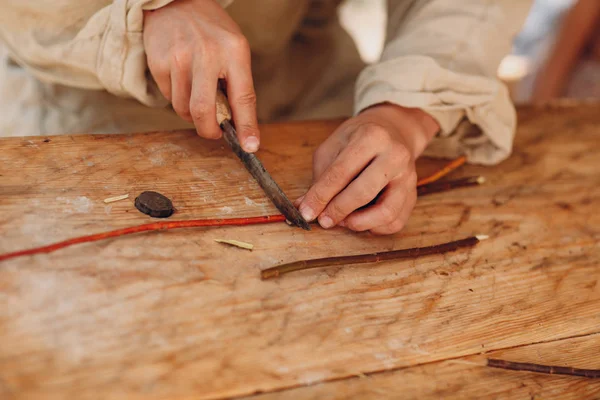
[279,270]
[438,187]
[543,369]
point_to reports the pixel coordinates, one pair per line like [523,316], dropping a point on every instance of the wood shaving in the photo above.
[236,243]
[116,198]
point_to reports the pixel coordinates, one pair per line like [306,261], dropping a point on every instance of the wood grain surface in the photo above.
[469,377]
[176,315]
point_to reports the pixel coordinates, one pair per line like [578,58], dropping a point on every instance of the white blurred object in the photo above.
[365,21]
[513,68]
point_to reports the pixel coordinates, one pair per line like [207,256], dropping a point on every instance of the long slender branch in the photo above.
[279,270]
[543,369]
[156,226]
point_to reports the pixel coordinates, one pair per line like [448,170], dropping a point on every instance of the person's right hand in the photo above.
[190,45]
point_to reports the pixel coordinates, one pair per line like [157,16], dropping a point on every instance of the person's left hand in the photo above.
[369,154]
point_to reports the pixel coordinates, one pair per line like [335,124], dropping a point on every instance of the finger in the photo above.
[323,157]
[181,83]
[242,98]
[203,102]
[163,81]
[352,160]
[388,208]
[329,150]
[325,154]
[361,191]
[401,220]
[160,69]
[298,201]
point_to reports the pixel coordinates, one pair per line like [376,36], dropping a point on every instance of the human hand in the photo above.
[371,153]
[190,45]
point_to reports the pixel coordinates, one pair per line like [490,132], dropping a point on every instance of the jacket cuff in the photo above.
[122,66]
[450,98]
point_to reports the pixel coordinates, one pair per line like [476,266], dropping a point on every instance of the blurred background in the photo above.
[556,55]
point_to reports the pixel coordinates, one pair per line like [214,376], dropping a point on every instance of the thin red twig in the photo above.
[156,226]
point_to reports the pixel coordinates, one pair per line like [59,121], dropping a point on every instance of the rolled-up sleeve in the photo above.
[442,56]
[95,44]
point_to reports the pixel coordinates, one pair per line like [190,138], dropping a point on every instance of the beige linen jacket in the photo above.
[71,66]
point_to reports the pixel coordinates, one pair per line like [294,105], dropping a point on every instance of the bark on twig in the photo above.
[543,369]
[279,270]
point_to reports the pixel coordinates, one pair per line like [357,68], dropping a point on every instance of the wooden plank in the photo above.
[176,315]
[469,378]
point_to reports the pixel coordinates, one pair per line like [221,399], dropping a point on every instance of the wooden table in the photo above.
[176,315]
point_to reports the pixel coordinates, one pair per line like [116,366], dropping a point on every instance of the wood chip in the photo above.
[236,243]
[116,198]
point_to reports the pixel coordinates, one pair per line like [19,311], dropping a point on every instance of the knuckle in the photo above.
[183,112]
[181,108]
[388,230]
[375,133]
[199,111]
[320,196]
[368,192]
[400,156]
[337,211]
[166,91]
[354,226]
[334,175]
[396,226]
[208,131]
[401,153]
[248,129]
[247,99]
[388,212]
[239,44]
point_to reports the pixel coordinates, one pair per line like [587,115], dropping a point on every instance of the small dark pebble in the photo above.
[46,140]
[154,204]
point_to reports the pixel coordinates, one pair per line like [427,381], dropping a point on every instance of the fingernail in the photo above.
[326,222]
[307,213]
[251,144]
